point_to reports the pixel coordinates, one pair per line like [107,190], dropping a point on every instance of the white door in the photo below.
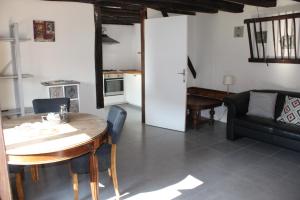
[165,72]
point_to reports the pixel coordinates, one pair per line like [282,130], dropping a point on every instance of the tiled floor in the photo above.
[155,163]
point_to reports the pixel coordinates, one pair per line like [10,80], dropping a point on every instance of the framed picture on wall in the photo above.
[43,31]
[261,37]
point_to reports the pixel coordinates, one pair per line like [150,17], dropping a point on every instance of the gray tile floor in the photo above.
[155,163]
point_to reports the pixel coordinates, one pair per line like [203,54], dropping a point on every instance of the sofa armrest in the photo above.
[237,105]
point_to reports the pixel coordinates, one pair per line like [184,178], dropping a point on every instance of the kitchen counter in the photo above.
[123,72]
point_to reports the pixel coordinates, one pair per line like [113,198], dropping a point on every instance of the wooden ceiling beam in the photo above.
[122,18]
[184,11]
[260,3]
[167,4]
[118,4]
[178,12]
[117,21]
[119,12]
[223,5]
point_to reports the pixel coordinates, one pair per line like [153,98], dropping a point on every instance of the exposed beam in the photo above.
[206,6]
[223,5]
[116,22]
[189,5]
[159,5]
[122,18]
[179,12]
[260,3]
[118,4]
[119,12]
[98,58]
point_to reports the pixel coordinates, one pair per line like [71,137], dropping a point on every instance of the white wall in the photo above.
[215,52]
[71,56]
[124,55]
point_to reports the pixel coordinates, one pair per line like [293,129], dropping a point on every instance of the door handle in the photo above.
[183,74]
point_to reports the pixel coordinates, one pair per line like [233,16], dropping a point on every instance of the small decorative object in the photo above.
[64,116]
[52,118]
[238,31]
[264,37]
[44,31]
[228,80]
[291,111]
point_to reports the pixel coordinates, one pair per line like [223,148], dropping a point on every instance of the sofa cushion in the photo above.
[287,130]
[291,111]
[269,126]
[256,123]
[262,104]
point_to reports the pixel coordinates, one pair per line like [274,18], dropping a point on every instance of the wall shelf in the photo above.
[10,39]
[15,76]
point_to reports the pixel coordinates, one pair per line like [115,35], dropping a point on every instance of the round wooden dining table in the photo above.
[29,141]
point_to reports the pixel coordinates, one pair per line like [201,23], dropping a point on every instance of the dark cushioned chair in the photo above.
[49,105]
[18,170]
[46,106]
[106,153]
[268,130]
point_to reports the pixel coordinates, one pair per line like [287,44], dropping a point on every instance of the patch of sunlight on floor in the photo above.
[169,192]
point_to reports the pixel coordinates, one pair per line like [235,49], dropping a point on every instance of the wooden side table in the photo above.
[196,103]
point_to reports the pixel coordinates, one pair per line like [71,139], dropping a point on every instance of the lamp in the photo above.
[228,80]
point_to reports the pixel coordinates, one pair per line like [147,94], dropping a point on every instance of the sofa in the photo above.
[239,124]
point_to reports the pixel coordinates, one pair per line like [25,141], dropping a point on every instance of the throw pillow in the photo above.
[291,111]
[262,104]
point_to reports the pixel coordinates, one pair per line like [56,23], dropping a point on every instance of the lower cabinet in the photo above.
[133,89]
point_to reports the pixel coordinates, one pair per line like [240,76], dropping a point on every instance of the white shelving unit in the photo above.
[17,75]
[65,88]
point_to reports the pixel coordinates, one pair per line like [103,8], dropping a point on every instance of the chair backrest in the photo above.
[116,119]
[49,105]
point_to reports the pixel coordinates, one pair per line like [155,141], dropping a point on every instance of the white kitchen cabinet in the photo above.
[133,89]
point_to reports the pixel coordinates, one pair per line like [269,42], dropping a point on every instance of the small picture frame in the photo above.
[238,32]
[43,31]
[56,92]
[262,39]
[71,91]
[287,42]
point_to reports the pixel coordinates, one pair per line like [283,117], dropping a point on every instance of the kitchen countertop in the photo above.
[123,72]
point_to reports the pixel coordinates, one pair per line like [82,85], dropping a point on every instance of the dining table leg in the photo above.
[94,176]
[34,173]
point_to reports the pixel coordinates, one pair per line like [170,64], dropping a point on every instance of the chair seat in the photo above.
[80,165]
